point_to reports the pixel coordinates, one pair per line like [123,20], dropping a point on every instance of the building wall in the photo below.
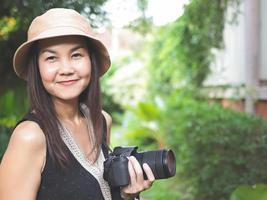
[263,44]
[233,66]
[239,106]
[229,64]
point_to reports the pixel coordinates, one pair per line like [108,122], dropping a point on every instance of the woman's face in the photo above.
[65,66]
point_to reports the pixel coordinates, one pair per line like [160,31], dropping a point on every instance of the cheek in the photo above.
[87,77]
[85,70]
[87,73]
[47,73]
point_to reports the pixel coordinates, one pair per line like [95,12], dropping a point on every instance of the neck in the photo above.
[68,110]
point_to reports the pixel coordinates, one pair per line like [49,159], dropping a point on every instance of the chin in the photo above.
[67,96]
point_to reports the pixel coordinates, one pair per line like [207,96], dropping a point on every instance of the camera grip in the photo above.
[118,174]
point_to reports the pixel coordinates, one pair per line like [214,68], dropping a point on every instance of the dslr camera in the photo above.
[161,162]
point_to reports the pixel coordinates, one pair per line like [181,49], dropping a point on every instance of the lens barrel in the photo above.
[161,162]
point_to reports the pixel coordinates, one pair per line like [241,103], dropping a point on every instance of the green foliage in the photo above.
[109,104]
[216,149]
[244,192]
[143,24]
[141,123]
[10,114]
[4,138]
[181,51]
[163,189]
[8,101]
[164,66]
[7,25]
[8,122]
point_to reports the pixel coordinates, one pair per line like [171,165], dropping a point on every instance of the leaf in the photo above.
[244,192]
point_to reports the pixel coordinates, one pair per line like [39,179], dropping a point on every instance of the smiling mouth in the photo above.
[67,82]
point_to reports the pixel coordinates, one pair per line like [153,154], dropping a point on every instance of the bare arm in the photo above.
[20,169]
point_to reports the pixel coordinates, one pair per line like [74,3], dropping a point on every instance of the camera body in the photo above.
[161,162]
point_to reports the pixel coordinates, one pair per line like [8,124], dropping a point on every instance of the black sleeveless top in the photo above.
[73,183]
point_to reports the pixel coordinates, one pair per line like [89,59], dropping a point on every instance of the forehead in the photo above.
[62,41]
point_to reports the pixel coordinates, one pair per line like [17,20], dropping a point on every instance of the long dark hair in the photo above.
[42,106]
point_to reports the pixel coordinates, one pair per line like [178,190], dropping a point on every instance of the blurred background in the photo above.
[190,75]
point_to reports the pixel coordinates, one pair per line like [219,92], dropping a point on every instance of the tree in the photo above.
[181,51]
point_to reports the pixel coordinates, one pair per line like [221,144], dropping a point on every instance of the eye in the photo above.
[76,55]
[51,58]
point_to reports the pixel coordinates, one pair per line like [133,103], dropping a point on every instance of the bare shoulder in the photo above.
[28,132]
[27,140]
[23,161]
[107,117]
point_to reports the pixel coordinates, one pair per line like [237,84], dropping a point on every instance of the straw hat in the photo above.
[54,23]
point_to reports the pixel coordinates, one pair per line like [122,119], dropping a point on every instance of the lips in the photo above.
[67,82]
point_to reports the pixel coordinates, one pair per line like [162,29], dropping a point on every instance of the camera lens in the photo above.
[161,162]
[169,163]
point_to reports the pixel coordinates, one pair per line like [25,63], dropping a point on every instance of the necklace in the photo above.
[96,169]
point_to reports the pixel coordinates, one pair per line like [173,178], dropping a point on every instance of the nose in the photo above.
[66,67]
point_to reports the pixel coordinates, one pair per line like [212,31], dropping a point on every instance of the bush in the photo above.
[163,189]
[217,149]
[245,192]
[4,138]
[14,105]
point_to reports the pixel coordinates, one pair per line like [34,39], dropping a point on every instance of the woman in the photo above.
[57,150]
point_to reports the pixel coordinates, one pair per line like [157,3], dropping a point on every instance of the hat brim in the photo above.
[20,59]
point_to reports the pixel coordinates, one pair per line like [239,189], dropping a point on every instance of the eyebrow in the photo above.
[71,50]
[78,47]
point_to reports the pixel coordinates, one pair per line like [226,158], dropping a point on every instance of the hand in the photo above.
[137,183]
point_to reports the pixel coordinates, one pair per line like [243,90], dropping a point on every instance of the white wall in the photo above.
[229,65]
[263,61]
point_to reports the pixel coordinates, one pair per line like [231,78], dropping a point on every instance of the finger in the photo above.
[149,173]
[138,170]
[150,176]
[131,172]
